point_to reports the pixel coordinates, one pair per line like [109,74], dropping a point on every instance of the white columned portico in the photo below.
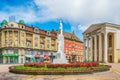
[100,47]
[91,48]
[105,47]
[87,56]
[85,49]
[95,48]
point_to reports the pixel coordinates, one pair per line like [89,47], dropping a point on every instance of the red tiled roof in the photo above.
[53,34]
[42,32]
[29,28]
[70,36]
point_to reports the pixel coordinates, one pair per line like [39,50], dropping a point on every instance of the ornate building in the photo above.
[20,43]
[102,42]
[73,47]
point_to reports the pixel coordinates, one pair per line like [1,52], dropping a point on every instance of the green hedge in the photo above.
[57,71]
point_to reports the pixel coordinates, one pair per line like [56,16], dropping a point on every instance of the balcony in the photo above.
[42,41]
[29,46]
[29,38]
[42,46]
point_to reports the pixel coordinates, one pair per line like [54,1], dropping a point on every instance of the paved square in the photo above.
[113,74]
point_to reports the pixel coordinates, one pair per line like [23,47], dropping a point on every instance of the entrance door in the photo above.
[11,59]
[110,58]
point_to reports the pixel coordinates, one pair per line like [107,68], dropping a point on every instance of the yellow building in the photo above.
[20,43]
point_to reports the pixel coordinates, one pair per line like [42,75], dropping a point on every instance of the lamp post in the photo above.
[51,57]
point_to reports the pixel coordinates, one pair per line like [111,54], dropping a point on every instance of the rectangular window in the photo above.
[16,43]
[16,34]
[16,51]
[48,40]
[22,34]
[10,42]
[10,51]
[36,37]
[53,41]
[36,44]
[28,44]
[42,39]
[22,43]
[48,46]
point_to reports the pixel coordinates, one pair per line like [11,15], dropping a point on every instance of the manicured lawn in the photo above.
[59,68]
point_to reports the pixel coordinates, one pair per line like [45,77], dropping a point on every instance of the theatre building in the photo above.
[102,43]
[20,43]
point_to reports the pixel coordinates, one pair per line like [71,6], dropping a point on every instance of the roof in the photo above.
[43,32]
[71,36]
[4,22]
[29,28]
[100,25]
[21,22]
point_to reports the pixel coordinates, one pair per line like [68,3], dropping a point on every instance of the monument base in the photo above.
[60,61]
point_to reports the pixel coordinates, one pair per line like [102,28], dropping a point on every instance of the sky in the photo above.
[76,15]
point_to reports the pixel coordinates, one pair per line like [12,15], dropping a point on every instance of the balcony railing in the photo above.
[29,46]
[29,38]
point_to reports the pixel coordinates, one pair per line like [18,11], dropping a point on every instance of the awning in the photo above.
[30,56]
[10,54]
[37,55]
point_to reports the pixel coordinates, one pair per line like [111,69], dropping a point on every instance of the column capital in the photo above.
[99,34]
[106,32]
[91,37]
[95,36]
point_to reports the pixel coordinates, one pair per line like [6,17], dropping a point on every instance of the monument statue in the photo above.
[60,57]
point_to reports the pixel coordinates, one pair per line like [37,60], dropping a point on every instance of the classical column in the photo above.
[7,38]
[91,49]
[105,47]
[95,48]
[87,56]
[2,38]
[13,42]
[100,47]
[87,49]
[84,49]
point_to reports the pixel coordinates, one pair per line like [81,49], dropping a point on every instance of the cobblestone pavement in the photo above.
[108,75]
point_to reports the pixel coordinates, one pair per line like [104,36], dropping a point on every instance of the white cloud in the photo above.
[82,28]
[81,11]
[27,14]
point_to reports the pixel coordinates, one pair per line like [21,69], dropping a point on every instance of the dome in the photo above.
[21,22]
[4,22]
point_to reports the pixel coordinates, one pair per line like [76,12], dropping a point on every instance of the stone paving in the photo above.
[108,75]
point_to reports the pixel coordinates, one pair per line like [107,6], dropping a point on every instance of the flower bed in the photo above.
[61,69]
[50,65]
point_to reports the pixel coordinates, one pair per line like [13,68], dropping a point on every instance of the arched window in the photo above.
[22,27]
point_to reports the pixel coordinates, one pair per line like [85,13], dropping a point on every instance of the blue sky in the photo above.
[76,15]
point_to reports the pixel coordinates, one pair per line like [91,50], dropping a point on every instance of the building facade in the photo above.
[102,43]
[73,47]
[20,43]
